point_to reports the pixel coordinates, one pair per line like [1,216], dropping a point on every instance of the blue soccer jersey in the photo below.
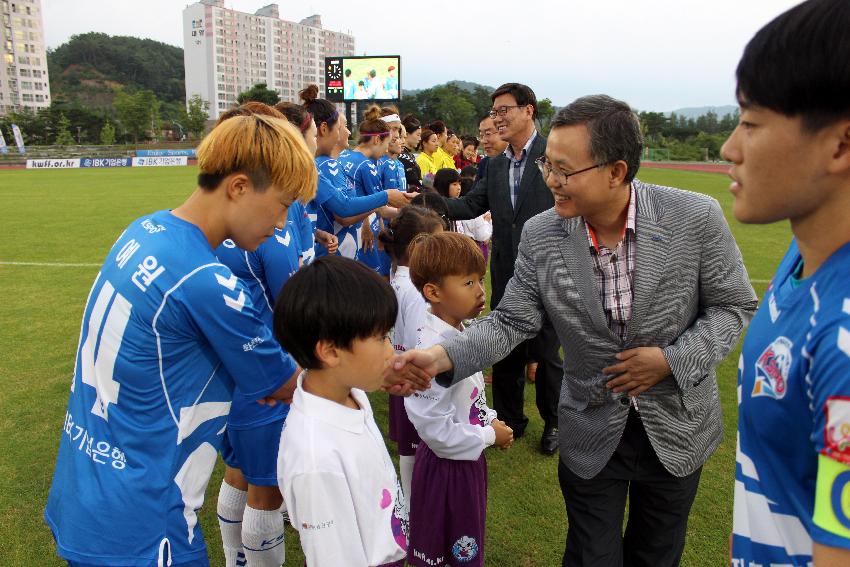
[263,272]
[166,331]
[792,478]
[392,173]
[348,236]
[362,175]
[302,226]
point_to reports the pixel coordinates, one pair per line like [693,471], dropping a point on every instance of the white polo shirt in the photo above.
[339,484]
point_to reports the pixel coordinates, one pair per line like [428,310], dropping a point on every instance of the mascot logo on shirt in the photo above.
[465,549]
[837,431]
[772,369]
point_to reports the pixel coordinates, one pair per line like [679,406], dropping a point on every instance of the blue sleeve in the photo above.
[342,205]
[368,179]
[305,228]
[219,304]
[278,257]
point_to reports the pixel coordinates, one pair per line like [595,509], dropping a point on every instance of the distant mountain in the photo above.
[697,111]
[464,85]
[87,67]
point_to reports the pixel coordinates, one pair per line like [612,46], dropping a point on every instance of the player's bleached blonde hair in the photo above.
[269,150]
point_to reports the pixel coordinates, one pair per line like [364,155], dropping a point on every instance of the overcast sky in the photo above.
[655,54]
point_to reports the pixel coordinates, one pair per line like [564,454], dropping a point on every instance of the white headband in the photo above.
[391,118]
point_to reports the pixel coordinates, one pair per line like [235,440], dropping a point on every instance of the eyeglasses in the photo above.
[503,110]
[546,168]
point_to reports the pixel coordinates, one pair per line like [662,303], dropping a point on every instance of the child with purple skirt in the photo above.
[448,503]
[396,239]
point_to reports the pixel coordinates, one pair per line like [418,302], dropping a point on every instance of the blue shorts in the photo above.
[254,452]
[197,563]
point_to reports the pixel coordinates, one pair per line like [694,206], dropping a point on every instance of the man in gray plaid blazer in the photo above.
[647,292]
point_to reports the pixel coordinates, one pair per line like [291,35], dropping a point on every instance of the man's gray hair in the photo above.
[613,126]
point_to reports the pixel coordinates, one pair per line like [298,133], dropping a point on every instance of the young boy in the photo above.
[791,160]
[449,490]
[339,484]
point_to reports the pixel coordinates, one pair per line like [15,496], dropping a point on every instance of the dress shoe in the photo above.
[549,441]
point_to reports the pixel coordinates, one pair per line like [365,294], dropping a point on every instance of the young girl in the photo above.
[362,177]
[449,489]
[479,228]
[447,184]
[413,134]
[396,239]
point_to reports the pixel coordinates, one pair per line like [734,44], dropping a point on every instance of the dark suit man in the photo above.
[513,190]
[647,291]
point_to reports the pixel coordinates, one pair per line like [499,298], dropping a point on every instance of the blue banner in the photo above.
[165,153]
[106,162]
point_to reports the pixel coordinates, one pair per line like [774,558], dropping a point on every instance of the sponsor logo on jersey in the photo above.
[152,228]
[837,431]
[772,369]
[465,549]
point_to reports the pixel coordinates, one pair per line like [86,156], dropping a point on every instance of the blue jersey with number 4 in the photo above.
[792,478]
[166,330]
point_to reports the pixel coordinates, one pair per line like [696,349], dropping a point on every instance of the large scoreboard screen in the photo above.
[377,78]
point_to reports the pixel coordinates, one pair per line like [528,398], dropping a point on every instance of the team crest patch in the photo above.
[772,369]
[837,432]
[465,549]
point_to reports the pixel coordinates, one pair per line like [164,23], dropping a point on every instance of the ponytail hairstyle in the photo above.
[299,116]
[322,111]
[372,125]
[404,228]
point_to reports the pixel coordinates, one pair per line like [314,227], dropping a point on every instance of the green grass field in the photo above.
[74,216]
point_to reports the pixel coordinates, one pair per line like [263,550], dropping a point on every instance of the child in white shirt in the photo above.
[448,503]
[336,477]
[396,238]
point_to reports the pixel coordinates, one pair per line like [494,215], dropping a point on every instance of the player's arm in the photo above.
[829,376]
[219,305]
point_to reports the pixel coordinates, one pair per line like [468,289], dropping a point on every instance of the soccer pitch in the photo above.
[60,224]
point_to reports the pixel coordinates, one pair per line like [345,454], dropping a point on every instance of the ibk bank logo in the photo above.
[772,369]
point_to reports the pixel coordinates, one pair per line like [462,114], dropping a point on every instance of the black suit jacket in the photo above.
[492,193]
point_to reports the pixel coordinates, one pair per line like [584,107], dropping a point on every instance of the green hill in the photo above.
[87,68]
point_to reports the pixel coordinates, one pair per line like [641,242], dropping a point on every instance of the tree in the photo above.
[137,112]
[545,112]
[63,136]
[260,93]
[107,134]
[197,111]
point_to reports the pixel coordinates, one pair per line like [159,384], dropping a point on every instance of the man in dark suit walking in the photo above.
[513,190]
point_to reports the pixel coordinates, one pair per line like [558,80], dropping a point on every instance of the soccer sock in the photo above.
[231,506]
[262,537]
[405,467]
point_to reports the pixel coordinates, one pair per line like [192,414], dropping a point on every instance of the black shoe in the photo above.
[549,441]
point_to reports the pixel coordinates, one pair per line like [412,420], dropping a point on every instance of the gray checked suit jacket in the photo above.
[692,298]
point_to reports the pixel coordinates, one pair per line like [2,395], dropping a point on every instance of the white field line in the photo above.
[82,265]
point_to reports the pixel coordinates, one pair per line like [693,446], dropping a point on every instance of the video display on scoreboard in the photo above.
[349,79]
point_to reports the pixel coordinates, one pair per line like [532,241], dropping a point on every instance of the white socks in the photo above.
[231,505]
[405,469]
[262,537]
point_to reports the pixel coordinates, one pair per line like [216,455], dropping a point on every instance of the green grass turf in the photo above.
[73,216]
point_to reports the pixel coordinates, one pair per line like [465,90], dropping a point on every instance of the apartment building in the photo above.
[23,70]
[227,52]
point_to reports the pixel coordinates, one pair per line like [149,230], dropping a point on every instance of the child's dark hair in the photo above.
[469,141]
[401,231]
[333,299]
[432,200]
[442,254]
[443,178]
[411,123]
[320,109]
[469,171]
[466,185]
